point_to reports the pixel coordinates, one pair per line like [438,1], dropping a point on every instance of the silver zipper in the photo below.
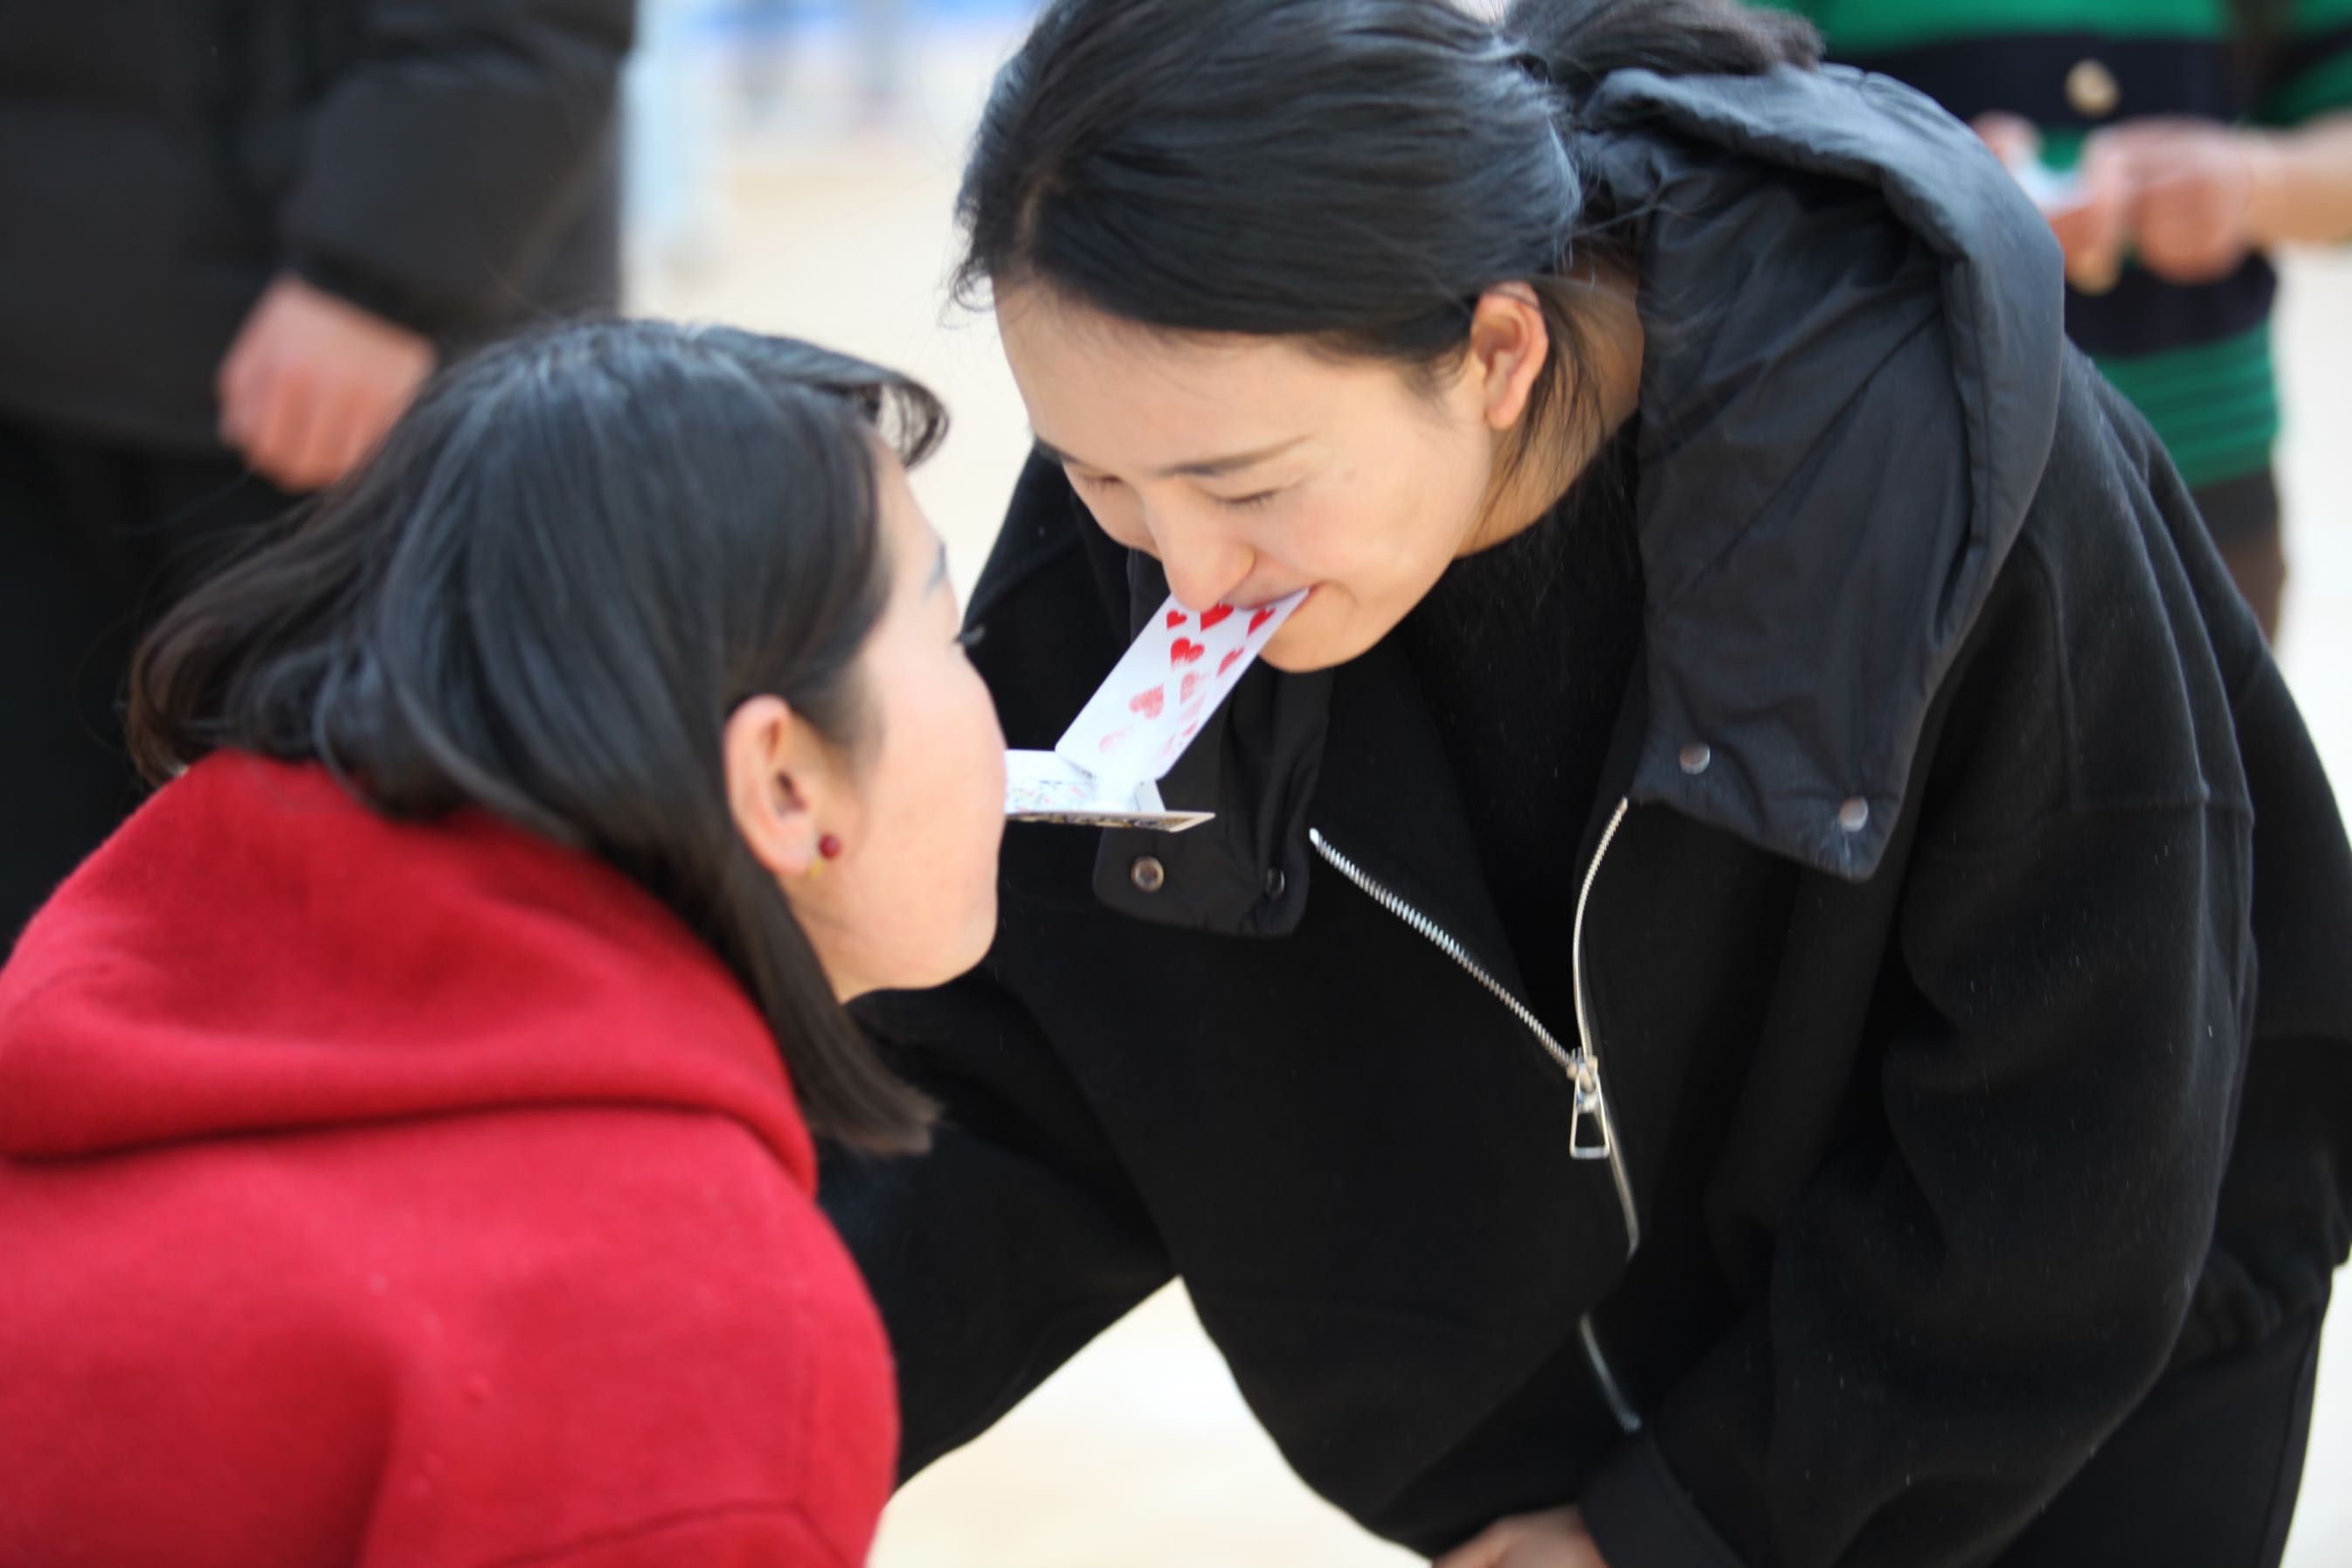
[1582,1065]
[1588,1095]
[1628,1419]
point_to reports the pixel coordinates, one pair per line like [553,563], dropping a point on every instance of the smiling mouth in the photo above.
[1246,606]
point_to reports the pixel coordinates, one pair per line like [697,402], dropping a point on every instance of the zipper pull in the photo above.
[1589,1103]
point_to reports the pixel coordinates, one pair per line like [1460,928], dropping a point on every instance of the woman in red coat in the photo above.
[406,1120]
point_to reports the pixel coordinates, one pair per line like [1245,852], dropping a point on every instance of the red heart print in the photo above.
[1112,741]
[1260,619]
[1185,652]
[1212,617]
[1176,618]
[1229,661]
[1149,704]
[1192,684]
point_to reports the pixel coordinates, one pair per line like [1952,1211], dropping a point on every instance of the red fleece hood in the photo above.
[423,969]
[408,1195]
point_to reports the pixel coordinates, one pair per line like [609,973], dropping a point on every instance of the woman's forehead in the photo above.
[1165,403]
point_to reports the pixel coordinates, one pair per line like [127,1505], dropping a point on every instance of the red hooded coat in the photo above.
[391,1193]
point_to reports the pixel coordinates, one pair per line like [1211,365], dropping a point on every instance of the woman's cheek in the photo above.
[988,752]
[976,757]
[971,804]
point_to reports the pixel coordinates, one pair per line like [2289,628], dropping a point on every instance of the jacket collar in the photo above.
[1836,450]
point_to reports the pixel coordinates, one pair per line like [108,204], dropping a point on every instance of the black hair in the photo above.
[1356,172]
[577,554]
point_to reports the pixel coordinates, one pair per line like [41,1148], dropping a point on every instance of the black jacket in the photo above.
[1961,811]
[446,163]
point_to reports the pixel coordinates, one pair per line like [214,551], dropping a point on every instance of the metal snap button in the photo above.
[1855,815]
[2092,90]
[1148,874]
[1275,883]
[1696,758]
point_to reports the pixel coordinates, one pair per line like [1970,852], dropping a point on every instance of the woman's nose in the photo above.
[1203,573]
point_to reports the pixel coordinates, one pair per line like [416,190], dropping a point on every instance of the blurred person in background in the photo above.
[882,50]
[1768,983]
[2203,134]
[878,42]
[405,1118]
[237,235]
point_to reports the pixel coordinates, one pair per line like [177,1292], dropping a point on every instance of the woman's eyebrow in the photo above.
[1200,468]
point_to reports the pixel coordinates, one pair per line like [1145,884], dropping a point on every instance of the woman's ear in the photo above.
[776,785]
[1510,345]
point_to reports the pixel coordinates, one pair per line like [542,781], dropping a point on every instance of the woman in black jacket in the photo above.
[1766,983]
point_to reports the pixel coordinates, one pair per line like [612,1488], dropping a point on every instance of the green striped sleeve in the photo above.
[1876,27]
[2214,406]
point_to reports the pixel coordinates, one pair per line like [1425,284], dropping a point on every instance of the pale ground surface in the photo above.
[1140,1453]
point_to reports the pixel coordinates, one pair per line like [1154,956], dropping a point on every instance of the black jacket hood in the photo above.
[1806,597]
[1832,271]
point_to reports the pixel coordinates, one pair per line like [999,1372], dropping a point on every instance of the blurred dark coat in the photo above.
[446,163]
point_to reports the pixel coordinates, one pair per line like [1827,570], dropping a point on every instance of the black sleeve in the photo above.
[444,165]
[1966,1299]
[1016,1240]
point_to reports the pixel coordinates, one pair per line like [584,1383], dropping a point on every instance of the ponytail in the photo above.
[1582,41]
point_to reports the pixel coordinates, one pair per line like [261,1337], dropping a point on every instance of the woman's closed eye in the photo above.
[1101,482]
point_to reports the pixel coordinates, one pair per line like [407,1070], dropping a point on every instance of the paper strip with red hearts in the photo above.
[1163,693]
[1042,787]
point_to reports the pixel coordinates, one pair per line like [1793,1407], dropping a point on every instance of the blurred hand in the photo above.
[2011,137]
[1553,1540]
[2193,188]
[2095,230]
[313,381]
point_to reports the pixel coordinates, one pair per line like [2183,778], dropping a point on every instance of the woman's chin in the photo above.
[936,958]
[953,962]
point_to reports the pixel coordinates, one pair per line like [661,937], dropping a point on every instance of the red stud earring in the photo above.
[829,846]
